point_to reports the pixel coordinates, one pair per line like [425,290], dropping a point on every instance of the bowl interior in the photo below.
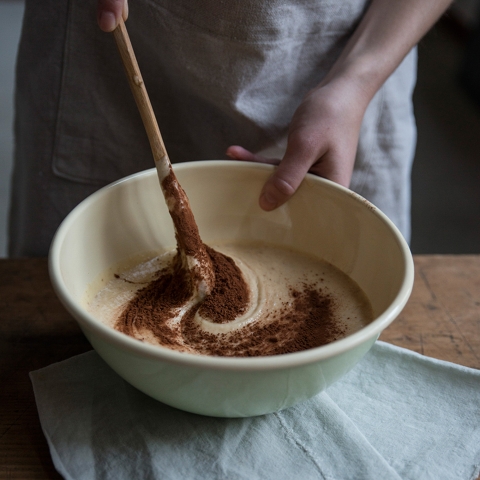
[323,219]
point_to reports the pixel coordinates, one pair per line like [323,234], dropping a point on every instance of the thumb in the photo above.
[109,13]
[289,174]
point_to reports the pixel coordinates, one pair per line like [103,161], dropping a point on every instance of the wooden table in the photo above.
[442,320]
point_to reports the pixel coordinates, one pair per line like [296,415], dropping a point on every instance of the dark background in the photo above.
[446,171]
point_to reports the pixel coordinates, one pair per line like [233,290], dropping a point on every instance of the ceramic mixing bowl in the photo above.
[323,219]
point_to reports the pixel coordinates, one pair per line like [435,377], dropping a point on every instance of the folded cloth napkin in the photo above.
[396,415]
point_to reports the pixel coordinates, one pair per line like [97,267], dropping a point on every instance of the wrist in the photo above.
[359,78]
[348,88]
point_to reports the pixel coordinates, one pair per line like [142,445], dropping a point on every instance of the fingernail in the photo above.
[268,202]
[108,22]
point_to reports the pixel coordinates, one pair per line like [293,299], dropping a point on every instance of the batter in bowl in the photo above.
[267,300]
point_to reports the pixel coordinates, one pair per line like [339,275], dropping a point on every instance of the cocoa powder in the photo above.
[306,321]
[189,242]
[309,322]
[156,303]
[186,229]
[230,296]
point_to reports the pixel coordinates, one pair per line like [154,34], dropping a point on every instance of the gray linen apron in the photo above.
[218,73]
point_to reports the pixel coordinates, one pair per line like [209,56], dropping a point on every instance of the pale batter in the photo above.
[292,302]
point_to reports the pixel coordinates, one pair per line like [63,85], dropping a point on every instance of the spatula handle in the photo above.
[141,98]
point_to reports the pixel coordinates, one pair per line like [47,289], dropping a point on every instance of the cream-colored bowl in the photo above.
[324,219]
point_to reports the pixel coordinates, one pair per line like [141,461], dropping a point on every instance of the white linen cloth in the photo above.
[396,415]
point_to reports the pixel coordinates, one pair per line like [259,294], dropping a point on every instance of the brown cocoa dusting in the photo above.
[186,230]
[306,322]
[309,322]
[230,296]
[187,235]
[158,302]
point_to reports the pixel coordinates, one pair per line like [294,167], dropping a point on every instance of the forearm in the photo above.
[387,32]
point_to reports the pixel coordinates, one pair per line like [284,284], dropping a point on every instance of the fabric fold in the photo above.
[396,415]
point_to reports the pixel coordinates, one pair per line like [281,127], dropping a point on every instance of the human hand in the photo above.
[322,139]
[323,134]
[109,13]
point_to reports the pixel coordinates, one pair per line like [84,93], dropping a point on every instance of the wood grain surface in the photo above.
[442,316]
[442,320]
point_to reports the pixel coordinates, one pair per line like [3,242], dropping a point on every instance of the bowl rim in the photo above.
[274,362]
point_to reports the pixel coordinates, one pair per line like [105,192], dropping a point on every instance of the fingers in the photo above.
[236,152]
[302,152]
[307,151]
[109,13]
[302,155]
[278,188]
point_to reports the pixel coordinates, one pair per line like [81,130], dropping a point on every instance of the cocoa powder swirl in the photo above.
[156,303]
[230,296]
[309,323]
[305,320]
